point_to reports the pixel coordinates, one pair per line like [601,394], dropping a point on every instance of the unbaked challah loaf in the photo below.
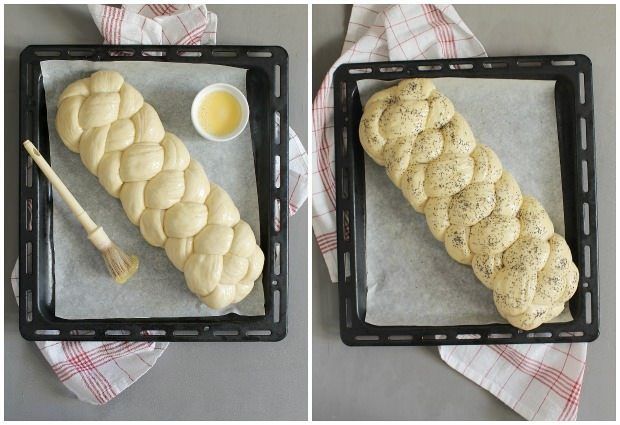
[471,204]
[121,140]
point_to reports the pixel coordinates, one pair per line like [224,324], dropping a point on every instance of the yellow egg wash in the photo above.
[219,113]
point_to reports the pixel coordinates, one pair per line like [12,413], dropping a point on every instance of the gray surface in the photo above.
[413,383]
[191,380]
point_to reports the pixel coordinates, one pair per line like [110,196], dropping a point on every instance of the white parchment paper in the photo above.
[411,278]
[84,290]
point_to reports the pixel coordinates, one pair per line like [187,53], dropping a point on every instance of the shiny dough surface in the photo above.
[472,205]
[121,140]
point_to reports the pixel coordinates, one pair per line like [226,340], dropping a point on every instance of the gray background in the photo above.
[413,382]
[191,380]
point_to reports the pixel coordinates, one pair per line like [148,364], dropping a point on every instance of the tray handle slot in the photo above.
[258,332]
[82,332]
[347,266]
[276,126]
[588,305]
[276,82]
[189,53]
[47,53]
[435,67]
[29,214]
[122,52]
[539,335]
[47,332]
[84,53]
[586,258]
[347,312]
[28,258]
[354,71]
[584,175]
[29,172]
[346,230]
[583,132]
[563,62]
[117,332]
[345,183]
[343,97]
[153,332]
[499,336]
[276,215]
[29,305]
[468,336]
[367,337]
[276,258]
[276,306]
[154,52]
[259,54]
[276,172]
[461,66]
[529,64]
[345,142]
[494,65]
[400,337]
[224,53]
[570,334]
[392,69]
[586,218]
[434,337]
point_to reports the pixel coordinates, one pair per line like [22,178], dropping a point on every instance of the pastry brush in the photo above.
[120,264]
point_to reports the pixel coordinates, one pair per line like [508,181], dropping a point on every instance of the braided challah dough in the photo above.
[121,140]
[471,204]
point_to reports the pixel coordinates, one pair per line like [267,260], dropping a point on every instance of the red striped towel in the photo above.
[538,381]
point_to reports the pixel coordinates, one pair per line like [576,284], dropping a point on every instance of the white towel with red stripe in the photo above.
[155,24]
[96,372]
[538,381]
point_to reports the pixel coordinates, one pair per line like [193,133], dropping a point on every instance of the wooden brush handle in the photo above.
[89,225]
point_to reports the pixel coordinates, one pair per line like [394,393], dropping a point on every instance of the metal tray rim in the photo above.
[354,331]
[230,327]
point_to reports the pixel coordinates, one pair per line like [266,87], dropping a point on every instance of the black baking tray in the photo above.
[267,92]
[575,124]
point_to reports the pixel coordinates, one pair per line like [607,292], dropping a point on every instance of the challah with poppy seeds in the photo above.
[471,203]
[122,141]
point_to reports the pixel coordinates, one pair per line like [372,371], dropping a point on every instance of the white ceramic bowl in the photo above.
[243,102]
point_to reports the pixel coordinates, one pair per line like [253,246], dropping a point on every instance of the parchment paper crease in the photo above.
[83,287]
[411,278]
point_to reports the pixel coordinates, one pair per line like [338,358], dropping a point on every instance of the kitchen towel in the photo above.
[96,372]
[538,381]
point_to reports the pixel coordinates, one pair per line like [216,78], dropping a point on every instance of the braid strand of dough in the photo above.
[122,141]
[471,203]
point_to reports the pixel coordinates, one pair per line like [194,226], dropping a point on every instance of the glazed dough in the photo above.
[471,203]
[122,141]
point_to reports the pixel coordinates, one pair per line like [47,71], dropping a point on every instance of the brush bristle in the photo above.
[120,264]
